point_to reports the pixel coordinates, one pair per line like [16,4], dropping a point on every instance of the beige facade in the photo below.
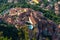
[57,8]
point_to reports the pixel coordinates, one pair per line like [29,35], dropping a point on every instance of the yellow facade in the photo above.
[36,1]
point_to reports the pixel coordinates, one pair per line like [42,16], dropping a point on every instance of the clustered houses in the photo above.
[19,17]
[17,11]
[57,8]
[8,18]
[22,15]
[12,1]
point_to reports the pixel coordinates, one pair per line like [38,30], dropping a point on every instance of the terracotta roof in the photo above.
[35,18]
[32,20]
[17,11]
[9,20]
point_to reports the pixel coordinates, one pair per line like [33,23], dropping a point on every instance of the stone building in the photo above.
[57,8]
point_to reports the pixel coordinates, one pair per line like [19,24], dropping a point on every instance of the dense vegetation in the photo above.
[9,32]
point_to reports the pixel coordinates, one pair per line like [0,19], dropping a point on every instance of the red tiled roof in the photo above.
[33,20]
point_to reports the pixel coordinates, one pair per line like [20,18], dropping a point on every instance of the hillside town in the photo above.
[36,19]
[30,20]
